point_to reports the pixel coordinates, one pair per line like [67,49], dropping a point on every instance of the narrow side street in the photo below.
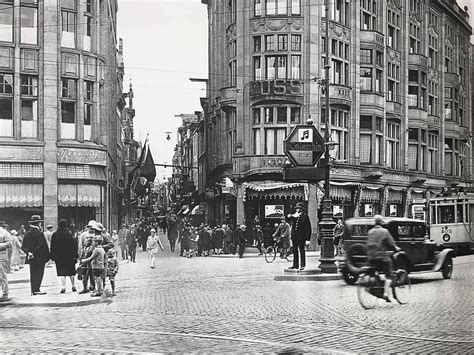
[226,304]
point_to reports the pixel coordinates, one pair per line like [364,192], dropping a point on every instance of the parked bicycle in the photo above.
[272,250]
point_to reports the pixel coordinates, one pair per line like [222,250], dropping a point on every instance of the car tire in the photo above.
[349,277]
[356,257]
[447,268]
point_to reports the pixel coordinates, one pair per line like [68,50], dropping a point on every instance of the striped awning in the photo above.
[86,195]
[370,193]
[274,189]
[21,195]
[81,172]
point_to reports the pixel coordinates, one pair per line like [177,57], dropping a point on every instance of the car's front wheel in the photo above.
[447,268]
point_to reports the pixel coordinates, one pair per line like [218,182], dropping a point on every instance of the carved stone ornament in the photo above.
[393,56]
[433,31]
[393,5]
[276,25]
[231,32]
[396,177]
[433,75]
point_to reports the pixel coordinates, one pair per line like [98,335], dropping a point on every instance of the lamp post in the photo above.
[327,223]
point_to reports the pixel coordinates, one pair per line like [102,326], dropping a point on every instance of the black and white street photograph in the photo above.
[236,176]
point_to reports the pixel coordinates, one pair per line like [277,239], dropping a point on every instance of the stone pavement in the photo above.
[235,305]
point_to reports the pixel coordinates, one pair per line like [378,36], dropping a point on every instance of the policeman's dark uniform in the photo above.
[300,233]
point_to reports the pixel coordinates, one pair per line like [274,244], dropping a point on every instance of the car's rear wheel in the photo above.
[349,277]
[447,268]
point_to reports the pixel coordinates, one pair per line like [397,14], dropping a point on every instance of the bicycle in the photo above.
[272,250]
[371,286]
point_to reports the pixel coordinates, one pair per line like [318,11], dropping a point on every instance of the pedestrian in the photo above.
[112,268]
[206,240]
[97,260]
[5,243]
[16,247]
[258,238]
[84,270]
[282,237]
[9,254]
[267,235]
[152,244]
[300,235]
[338,236]
[115,240]
[240,238]
[172,233]
[123,235]
[228,238]
[64,253]
[37,253]
[132,243]
[217,240]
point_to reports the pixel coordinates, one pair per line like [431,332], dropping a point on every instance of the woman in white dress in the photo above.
[152,244]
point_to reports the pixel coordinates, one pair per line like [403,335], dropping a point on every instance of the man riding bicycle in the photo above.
[282,237]
[379,242]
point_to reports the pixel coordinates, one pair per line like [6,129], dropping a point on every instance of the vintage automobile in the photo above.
[419,253]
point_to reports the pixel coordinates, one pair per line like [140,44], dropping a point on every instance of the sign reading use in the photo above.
[304,145]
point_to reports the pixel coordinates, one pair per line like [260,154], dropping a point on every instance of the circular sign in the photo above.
[446,237]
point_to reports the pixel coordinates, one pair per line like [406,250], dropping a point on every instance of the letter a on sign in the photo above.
[305,135]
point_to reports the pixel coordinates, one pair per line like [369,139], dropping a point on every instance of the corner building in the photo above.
[399,101]
[59,123]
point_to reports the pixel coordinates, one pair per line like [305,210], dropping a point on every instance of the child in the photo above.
[112,268]
[97,264]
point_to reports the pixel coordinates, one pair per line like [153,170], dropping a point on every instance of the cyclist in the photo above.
[379,242]
[282,236]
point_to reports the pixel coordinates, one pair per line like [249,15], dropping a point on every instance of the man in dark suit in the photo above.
[37,253]
[300,235]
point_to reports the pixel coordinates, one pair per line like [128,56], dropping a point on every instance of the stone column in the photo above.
[313,206]
[240,211]
[50,57]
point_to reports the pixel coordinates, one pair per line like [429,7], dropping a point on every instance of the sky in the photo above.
[165,44]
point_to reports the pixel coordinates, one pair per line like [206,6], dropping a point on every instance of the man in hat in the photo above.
[240,237]
[37,253]
[48,233]
[300,236]
[5,244]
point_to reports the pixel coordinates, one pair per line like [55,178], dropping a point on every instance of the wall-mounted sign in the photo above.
[82,156]
[337,211]
[274,211]
[368,210]
[9,153]
[393,211]
[276,87]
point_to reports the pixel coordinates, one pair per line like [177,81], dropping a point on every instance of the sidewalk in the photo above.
[20,291]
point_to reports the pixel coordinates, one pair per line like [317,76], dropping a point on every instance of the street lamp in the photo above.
[326,225]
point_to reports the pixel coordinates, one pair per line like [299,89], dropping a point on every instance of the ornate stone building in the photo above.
[60,129]
[399,101]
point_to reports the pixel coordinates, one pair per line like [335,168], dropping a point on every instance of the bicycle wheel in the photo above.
[289,255]
[366,299]
[401,287]
[270,254]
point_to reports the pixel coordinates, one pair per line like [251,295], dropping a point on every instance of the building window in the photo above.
[295,66]
[368,15]
[6,84]
[257,67]
[393,82]
[371,136]
[87,37]
[339,69]
[256,142]
[393,29]
[29,118]
[448,58]
[29,25]
[276,67]
[68,38]
[340,133]
[417,89]
[29,85]
[274,138]
[257,44]
[282,42]
[256,115]
[6,22]
[6,105]
[433,51]
[365,56]
[339,11]
[416,149]
[295,7]
[366,79]
[68,109]
[231,12]
[453,159]
[393,145]
[232,72]
[89,6]
[295,114]
[432,153]
[415,36]
[433,98]
[257,8]
[269,43]
[451,103]
[296,42]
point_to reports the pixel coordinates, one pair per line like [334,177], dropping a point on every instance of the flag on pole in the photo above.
[147,164]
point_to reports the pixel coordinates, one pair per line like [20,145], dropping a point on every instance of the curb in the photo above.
[28,302]
[320,277]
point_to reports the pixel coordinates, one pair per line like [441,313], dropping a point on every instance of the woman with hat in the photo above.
[152,244]
[37,253]
[300,235]
[16,245]
[64,254]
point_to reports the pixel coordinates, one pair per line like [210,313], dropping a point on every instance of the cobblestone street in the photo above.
[226,304]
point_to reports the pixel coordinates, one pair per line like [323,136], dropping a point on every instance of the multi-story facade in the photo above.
[399,108]
[60,131]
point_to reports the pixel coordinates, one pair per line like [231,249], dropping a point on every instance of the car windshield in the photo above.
[360,230]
